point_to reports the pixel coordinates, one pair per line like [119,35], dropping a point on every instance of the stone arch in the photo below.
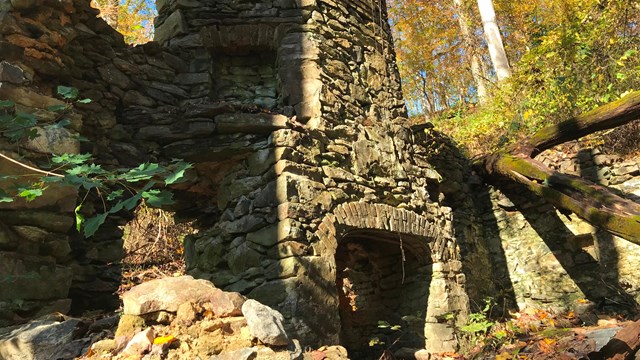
[349,216]
[360,241]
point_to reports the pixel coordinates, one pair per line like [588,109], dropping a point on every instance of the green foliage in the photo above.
[579,55]
[479,322]
[119,189]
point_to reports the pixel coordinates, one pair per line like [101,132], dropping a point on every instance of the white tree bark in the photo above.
[494,40]
[476,70]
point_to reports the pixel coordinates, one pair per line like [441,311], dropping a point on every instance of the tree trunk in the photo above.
[476,70]
[593,203]
[494,39]
[111,13]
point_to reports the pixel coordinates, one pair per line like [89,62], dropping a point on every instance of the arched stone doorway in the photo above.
[383,283]
[393,267]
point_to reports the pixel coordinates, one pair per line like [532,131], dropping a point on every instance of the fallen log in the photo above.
[591,202]
[605,117]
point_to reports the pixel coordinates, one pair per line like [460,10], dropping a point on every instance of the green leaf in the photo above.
[68,92]
[4,197]
[383,324]
[143,172]
[32,134]
[92,225]
[79,218]
[57,108]
[115,195]
[158,198]
[17,127]
[178,173]
[30,194]
[61,124]
[85,170]
[132,202]
[375,341]
[84,101]
[73,159]
[6,104]
[51,179]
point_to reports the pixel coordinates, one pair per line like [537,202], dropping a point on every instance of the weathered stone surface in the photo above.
[140,343]
[265,323]
[240,354]
[11,73]
[38,340]
[169,293]
[129,325]
[27,97]
[174,25]
[33,278]
[54,140]
[250,123]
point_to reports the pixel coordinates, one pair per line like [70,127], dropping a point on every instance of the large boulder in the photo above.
[40,340]
[168,294]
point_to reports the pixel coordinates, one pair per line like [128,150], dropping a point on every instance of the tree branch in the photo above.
[34,169]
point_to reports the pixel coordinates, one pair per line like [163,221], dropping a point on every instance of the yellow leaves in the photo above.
[134,18]
[527,114]
[547,346]
[167,339]
[90,352]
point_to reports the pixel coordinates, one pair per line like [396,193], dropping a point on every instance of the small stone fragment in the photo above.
[241,354]
[265,323]
[187,314]
[129,325]
[140,344]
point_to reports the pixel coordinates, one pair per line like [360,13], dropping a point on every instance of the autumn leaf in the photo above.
[546,345]
[160,340]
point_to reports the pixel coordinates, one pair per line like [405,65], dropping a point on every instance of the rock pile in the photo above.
[171,318]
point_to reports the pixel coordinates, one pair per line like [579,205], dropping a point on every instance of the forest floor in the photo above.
[155,251]
[531,334]
[536,334]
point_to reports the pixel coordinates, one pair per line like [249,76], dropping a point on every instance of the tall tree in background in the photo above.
[494,39]
[431,55]
[111,11]
[469,49]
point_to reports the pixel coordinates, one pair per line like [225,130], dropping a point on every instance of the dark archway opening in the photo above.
[383,281]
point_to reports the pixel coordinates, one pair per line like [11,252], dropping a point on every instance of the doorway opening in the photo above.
[383,281]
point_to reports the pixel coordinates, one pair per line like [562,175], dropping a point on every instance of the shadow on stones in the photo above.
[474,221]
[587,259]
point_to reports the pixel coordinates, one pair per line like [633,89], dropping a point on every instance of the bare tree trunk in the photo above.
[427,97]
[476,70]
[111,13]
[494,39]
[593,203]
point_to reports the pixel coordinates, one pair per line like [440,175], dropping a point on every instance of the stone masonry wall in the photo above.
[342,144]
[292,114]
[306,181]
[551,260]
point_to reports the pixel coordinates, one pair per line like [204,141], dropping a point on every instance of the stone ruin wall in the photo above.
[553,261]
[303,151]
[306,183]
